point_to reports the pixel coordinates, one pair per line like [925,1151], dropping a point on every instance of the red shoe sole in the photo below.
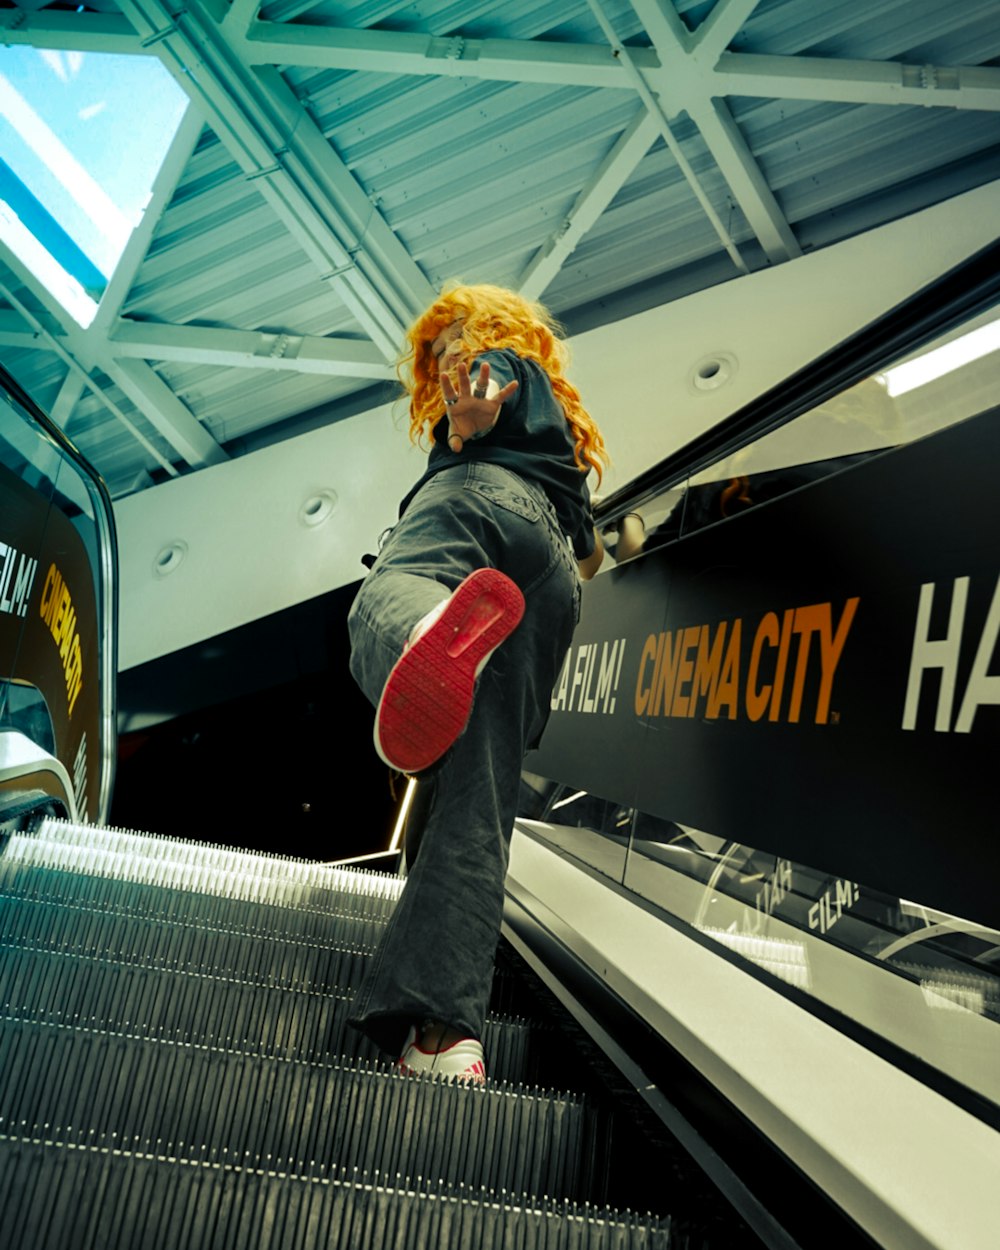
[428,697]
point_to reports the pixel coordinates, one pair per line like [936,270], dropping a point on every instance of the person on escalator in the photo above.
[483,565]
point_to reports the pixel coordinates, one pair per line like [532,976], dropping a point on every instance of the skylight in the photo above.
[82,137]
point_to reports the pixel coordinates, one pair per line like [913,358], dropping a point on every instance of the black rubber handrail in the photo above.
[108,572]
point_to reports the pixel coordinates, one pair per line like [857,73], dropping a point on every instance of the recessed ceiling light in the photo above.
[317,508]
[169,558]
[712,372]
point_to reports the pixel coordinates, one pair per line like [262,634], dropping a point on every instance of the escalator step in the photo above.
[193,866]
[345,915]
[277,960]
[241,1106]
[68,1191]
[220,1012]
[304,886]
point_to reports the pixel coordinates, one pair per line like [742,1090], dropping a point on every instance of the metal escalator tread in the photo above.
[167,906]
[219,873]
[218,1011]
[282,959]
[243,1106]
[159,1201]
[170,1065]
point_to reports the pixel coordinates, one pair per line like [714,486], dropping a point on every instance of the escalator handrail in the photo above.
[107,574]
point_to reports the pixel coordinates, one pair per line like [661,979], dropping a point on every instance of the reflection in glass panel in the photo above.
[902,935]
[55,529]
[595,830]
[24,710]
[896,967]
[534,795]
[927,982]
[73,497]
[955,376]
[33,460]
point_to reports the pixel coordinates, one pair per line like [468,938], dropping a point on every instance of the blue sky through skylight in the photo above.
[82,137]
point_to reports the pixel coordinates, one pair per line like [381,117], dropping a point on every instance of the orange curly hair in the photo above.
[495,318]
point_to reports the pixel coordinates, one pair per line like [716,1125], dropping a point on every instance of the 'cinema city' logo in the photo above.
[705,671]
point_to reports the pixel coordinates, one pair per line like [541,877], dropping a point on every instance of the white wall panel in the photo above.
[634,373]
[248,553]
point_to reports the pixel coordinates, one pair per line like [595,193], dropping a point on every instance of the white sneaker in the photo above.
[461,1061]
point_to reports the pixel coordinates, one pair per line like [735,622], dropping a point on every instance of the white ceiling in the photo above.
[341,160]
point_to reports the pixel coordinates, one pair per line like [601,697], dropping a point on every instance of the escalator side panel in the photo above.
[691,1025]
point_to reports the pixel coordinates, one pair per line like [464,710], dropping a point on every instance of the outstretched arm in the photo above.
[631,536]
[472,410]
[590,564]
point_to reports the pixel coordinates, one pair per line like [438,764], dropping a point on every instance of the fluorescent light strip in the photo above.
[943,360]
[572,799]
[404,807]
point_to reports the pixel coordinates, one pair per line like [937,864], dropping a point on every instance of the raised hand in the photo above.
[472,410]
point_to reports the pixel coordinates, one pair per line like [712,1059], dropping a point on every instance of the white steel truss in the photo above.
[228,61]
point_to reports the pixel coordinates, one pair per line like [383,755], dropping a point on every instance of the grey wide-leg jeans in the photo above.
[435,959]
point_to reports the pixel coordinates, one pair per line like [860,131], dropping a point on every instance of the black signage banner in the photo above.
[817,677]
[49,646]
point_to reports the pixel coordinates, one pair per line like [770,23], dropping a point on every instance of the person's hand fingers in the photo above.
[461,427]
[464,387]
[470,413]
[505,392]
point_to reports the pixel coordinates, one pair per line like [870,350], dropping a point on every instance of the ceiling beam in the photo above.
[682,81]
[165,412]
[88,348]
[720,28]
[398,52]
[561,64]
[63,346]
[654,107]
[15,332]
[70,392]
[247,349]
[595,197]
[586,65]
[743,176]
[178,426]
[280,148]
[70,32]
[857,82]
[171,171]
[662,22]
[380,263]
[164,185]
[239,17]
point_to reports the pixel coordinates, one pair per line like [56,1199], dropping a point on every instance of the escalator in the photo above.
[175,1063]
[727,1012]
[178,1072]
